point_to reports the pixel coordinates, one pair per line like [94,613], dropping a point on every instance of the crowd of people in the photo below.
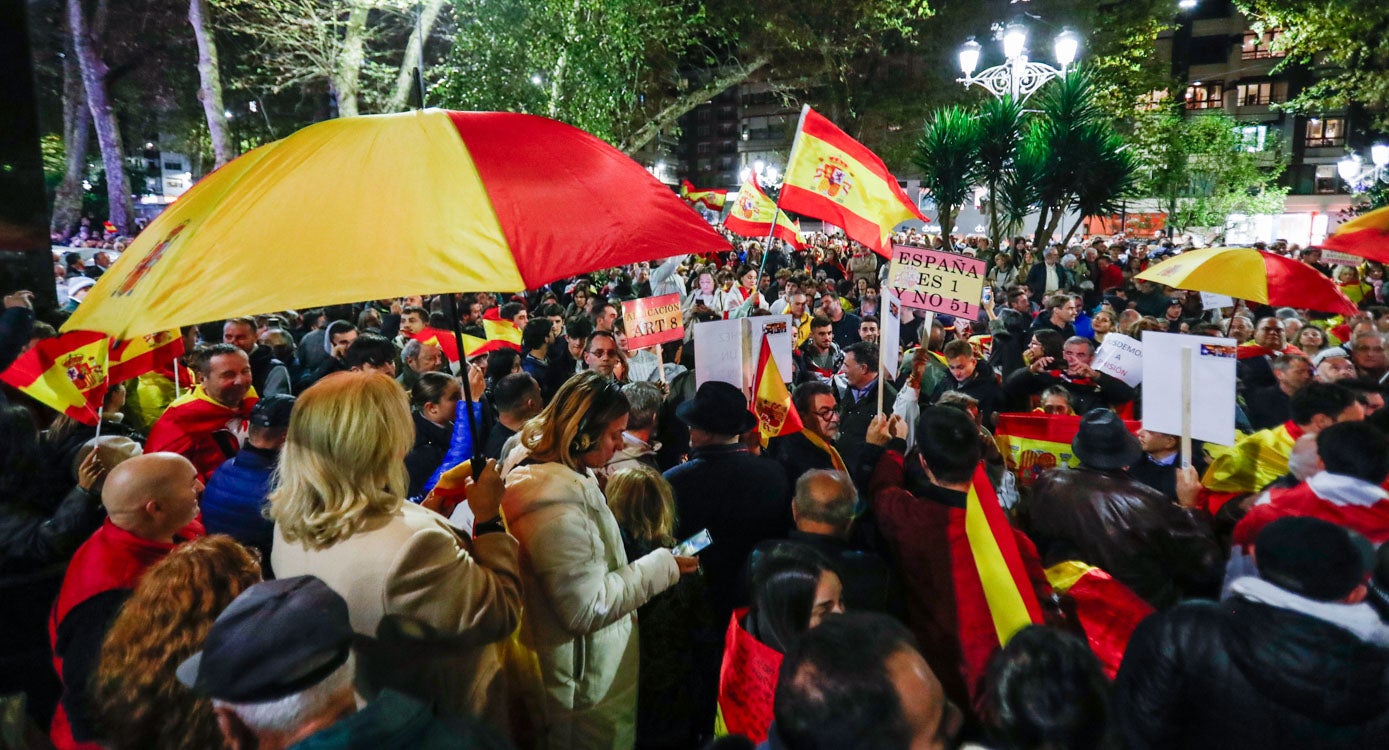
[272,544]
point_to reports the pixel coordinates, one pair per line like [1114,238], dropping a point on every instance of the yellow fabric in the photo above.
[771,398]
[802,333]
[1063,575]
[1006,606]
[820,443]
[1376,219]
[147,397]
[1253,462]
[1235,272]
[754,206]
[871,197]
[57,387]
[329,201]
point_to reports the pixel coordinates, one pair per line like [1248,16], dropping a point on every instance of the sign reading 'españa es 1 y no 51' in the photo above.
[937,281]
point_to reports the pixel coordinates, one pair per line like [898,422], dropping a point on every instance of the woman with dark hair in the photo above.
[434,401]
[793,589]
[1045,691]
[139,703]
[581,591]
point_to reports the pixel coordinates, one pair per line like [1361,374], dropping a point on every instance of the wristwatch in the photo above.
[488,527]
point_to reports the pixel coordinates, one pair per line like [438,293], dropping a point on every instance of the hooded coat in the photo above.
[581,598]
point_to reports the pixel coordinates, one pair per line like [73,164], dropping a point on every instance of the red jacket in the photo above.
[111,559]
[1345,501]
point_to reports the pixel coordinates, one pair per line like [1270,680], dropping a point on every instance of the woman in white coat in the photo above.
[581,592]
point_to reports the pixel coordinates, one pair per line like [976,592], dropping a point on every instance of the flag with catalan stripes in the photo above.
[834,178]
[67,373]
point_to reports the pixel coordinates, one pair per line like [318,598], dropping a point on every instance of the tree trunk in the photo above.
[1072,233]
[557,73]
[1058,213]
[348,71]
[77,132]
[108,132]
[210,83]
[677,109]
[428,13]
[1038,234]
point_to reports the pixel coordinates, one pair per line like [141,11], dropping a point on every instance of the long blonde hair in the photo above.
[138,701]
[643,503]
[344,458]
[573,422]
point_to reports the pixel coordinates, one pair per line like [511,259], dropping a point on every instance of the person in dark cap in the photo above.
[236,492]
[1294,658]
[1099,515]
[741,499]
[278,665]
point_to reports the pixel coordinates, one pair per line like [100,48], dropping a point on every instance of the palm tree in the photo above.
[1000,129]
[945,152]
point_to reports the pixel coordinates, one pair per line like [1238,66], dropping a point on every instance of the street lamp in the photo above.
[1359,175]
[1018,76]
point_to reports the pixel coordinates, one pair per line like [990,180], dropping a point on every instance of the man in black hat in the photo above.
[236,492]
[279,668]
[740,498]
[1099,515]
[1294,658]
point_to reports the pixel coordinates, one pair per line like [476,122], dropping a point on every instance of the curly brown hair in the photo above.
[137,699]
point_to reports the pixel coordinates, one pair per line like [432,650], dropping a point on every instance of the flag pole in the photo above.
[99,409]
[882,368]
[473,428]
[776,214]
[1186,407]
[178,392]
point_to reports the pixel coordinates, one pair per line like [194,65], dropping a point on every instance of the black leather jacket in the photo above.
[1128,529]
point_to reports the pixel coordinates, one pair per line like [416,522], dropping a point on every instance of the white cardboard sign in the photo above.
[1122,357]
[727,350]
[1212,385]
[889,331]
[1212,301]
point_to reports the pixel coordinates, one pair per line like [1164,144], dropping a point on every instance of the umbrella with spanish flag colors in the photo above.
[379,206]
[1254,275]
[1366,235]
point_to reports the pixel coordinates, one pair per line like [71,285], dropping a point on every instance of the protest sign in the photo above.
[652,320]
[1210,301]
[778,332]
[890,332]
[1212,395]
[1334,258]
[937,281]
[1121,357]
[718,346]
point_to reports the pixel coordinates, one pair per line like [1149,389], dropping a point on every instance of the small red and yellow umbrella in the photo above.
[1366,235]
[1254,275]
[380,206]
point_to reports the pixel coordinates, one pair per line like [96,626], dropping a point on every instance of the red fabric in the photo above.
[159,359]
[747,681]
[1111,278]
[1292,283]
[1007,541]
[569,203]
[110,559]
[1211,501]
[1370,521]
[1251,350]
[188,428]
[1371,243]
[1108,612]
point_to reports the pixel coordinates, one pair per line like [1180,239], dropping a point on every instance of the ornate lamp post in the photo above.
[1018,76]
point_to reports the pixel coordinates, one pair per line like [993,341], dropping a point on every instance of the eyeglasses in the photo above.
[828,413]
[603,353]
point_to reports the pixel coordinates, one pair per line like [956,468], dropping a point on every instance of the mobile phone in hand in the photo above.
[692,546]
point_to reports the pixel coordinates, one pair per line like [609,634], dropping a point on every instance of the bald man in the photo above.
[823,508]
[151,505]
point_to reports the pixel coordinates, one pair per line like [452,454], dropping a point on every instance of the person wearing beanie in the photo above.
[1294,658]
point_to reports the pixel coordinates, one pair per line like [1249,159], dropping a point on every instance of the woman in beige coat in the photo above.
[339,515]
[582,594]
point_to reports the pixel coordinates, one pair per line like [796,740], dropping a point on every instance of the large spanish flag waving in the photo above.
[752,214]
[834,178]
[67,373]
[711,198]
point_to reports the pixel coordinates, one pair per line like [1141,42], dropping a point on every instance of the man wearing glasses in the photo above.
[813,447]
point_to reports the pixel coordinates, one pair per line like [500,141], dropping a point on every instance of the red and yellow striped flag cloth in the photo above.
[752,214]
[771,401]
[501,334]
[135,357]
[67,373]
[1033,443]
[1008,591]
[712,198]
[834,178]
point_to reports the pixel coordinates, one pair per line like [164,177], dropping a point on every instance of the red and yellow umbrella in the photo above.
[380,206]
[1249,274]
[1366,235]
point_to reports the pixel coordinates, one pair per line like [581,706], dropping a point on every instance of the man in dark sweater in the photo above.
[235,498]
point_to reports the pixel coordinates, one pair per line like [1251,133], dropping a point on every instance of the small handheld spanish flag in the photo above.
[67,373]
[771,401]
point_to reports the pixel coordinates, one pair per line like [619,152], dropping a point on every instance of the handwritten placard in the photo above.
[937,281]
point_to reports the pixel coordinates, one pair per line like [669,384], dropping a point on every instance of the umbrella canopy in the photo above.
[1366,235]
[1252,275]
[380,206]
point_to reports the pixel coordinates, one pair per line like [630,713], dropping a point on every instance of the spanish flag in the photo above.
[834,178]
[1033,443]
[771,401]
[67,373]
[501,334]
[712,198]
[1008,591]
[752,214]
[153,353]
[442,339]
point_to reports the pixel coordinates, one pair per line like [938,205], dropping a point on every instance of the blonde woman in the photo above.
[581,592]
[340,515]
